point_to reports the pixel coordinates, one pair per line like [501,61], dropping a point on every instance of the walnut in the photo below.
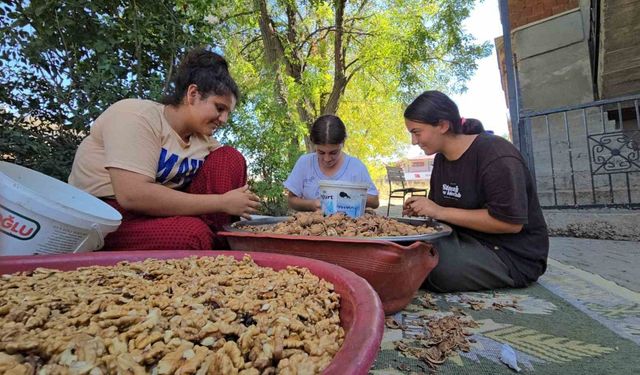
[183,316]
[341,225]
[194,360]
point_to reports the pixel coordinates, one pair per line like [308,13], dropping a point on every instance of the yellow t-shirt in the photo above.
[134,135]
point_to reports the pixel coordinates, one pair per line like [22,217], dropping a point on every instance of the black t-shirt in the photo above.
[491,174]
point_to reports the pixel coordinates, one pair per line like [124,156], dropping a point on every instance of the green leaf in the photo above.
[66,62]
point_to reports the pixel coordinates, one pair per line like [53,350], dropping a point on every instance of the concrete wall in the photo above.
[554,70]
[553,63]
[619,57]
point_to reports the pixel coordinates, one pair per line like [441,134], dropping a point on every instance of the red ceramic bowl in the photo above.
[360,309]
[393,270]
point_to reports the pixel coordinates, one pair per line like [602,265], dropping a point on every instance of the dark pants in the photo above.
[466,265]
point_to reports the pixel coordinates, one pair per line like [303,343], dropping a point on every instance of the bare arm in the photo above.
[373,201]
[479,219]
[140,193]
[301,204]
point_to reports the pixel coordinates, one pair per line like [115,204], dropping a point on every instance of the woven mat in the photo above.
[570,322]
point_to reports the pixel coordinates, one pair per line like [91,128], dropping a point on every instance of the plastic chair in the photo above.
[395,176]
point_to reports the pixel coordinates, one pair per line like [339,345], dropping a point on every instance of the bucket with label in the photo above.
[341,196]
[42,215]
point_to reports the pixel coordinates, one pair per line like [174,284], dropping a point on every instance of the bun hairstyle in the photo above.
[207,70]
[431,107]
[328,130]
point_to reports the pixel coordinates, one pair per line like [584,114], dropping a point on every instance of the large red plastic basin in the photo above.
[361,313]
[395,271]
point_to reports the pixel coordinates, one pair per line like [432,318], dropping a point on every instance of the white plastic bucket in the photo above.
[42,215]
[341,196]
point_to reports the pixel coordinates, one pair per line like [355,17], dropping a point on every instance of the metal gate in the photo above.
[585,155]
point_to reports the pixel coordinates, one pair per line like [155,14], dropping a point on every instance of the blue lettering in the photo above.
[195,165]
[182,171]
[165,165]
[186,170]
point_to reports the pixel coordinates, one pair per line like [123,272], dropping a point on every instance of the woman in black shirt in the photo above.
[481,186]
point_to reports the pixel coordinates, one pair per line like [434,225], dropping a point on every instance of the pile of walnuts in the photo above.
[443,333]
[446,335]
[183,316]
[341,225]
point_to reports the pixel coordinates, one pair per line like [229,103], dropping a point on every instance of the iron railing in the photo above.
[586,156]
[594,43]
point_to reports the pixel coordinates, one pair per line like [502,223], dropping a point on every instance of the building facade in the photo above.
[577,73]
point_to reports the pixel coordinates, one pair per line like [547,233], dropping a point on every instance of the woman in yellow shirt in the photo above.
[159,165]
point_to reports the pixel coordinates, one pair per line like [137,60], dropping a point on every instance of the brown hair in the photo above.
[433,106]
[328,130]
[207,70]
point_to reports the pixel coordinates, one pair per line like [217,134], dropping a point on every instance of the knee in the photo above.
[228,155]
[440,279]
[448,273]
[226,164]
[448,262]
[194,234]
[224,169]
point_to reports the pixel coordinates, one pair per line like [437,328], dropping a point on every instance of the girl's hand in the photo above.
[317,205]
[421,206]
[240,202]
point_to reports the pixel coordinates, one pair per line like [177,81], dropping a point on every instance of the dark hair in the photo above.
[207,70]
[433,106]
[328,130]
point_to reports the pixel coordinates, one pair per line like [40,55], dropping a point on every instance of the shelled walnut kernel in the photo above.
[341,225]
[182,316]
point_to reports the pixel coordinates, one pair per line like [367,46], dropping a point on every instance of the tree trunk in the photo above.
[339,77]
[272,48]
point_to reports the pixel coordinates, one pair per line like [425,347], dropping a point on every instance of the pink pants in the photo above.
[224,169]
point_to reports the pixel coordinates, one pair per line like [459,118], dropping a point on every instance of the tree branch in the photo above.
[172,59]
[249,12]
[293,63]
[138,50]
[253,40]
[352,21]
[314,32]
[339,79]
[272,47]
[351,63]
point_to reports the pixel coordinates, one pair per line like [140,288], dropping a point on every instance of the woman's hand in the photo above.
[240,202]
[301,204]
[421,206]
[477,219]
[317,205]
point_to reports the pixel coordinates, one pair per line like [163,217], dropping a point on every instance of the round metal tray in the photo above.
[443,229]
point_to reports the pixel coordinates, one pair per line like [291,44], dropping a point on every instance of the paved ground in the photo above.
[617,261]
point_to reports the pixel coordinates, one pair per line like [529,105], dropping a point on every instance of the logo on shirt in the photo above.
[449,191]
[187,168]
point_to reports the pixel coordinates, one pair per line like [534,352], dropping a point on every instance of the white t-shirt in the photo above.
[303,179]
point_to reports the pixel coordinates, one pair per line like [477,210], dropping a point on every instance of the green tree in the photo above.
[362,60]
[63,63]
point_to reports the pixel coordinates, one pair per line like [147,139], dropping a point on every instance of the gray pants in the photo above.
[466,265]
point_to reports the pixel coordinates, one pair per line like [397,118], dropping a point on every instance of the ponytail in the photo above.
[207,70]
[471,126]
[431,107]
